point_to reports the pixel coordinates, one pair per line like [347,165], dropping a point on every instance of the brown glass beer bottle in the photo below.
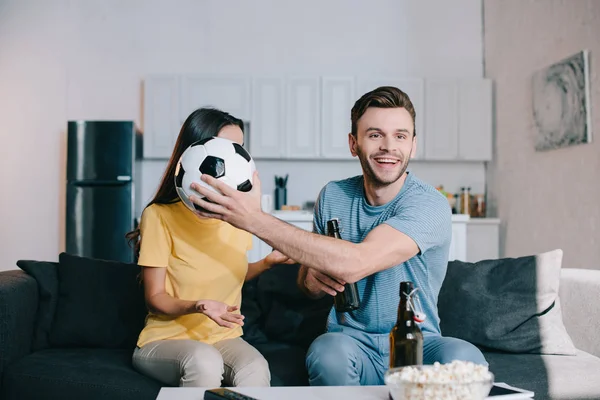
[406,338]
[348,300]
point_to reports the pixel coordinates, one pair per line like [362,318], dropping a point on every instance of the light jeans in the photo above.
[231,362]
[359,358]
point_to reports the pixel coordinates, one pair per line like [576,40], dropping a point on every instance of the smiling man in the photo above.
[396,228]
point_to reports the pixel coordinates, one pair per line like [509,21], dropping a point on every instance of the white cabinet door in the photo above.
[228,93]
[267,125]
[483,241]
[161,115]
[302,117]
[441,120]
[458,245]
[338,96]
[475,120]
[415,89]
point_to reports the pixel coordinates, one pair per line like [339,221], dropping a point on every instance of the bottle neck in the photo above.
[405,313]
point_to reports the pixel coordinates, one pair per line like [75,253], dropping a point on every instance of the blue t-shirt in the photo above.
[419,211]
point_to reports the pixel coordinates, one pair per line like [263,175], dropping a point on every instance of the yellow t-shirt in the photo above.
[205,259]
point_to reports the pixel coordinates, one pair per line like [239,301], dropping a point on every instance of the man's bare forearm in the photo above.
[337,258]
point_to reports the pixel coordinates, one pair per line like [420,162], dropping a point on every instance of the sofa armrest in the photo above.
[580,303]
[18,309]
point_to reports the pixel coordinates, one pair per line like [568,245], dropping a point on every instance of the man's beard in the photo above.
[381,181]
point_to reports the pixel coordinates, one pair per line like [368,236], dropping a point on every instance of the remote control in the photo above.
[225,394]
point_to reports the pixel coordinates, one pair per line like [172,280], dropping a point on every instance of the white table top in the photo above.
[311,392]
[287,393]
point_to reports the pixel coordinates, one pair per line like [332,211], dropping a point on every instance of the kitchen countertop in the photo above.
[305,215]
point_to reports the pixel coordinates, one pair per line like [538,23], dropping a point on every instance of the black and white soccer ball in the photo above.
[218,157]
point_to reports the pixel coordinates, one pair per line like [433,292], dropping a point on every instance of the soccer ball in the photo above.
[218,157]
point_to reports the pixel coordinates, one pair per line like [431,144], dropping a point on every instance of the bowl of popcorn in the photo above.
[458,380]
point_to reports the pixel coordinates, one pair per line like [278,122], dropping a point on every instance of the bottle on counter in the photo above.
[465,200]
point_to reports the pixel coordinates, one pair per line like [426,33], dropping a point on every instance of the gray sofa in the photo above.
[55,349]
[557,376]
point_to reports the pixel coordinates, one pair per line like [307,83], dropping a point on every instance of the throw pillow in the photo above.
[290,316]
[100,304]
[509,304]
[45,274]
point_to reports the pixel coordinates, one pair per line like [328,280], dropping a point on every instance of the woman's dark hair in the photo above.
[202,124]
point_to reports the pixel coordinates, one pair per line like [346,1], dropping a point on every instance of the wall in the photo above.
[70,59]
[545,200]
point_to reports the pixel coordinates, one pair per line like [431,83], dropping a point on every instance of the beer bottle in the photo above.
[348,300]
[406,338]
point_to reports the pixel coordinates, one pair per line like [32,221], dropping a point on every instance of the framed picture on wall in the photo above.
[561,103]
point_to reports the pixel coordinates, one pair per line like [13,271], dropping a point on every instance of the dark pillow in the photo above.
[290,316]
[509,304]
[253,315]
[100,304]
[44,272]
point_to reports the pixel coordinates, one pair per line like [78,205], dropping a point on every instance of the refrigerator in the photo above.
[100,189]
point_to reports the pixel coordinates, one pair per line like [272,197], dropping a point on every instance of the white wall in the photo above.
[64,59]
[548,199]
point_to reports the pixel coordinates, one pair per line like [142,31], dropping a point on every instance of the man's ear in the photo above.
[413,151]
[352,144]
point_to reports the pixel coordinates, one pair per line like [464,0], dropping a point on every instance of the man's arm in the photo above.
[420,224]
[383,248]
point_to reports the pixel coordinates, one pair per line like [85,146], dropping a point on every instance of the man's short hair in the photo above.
[382,97]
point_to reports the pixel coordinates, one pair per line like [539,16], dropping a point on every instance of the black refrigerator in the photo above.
[100,189]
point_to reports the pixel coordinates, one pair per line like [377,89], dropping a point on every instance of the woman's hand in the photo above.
[276,257]
[221,313]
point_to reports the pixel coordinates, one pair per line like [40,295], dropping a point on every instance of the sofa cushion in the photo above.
[549,376]
[289,316]
[509,304]
[287,363]
[77,374]
[100,304]
[44,272]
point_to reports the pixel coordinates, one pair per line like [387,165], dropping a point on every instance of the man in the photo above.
[396,228]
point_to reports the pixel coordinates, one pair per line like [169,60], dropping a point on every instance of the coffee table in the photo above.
[308,393]
[287,393]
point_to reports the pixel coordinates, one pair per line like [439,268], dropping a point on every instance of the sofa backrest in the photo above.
[580,300]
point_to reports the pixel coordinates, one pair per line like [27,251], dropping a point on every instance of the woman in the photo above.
[193,270]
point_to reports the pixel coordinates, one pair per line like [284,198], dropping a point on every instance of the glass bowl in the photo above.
[425,382]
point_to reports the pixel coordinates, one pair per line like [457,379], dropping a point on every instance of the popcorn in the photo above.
[458,380]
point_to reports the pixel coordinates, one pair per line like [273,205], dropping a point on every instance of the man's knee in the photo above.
[458,349]
[329,360]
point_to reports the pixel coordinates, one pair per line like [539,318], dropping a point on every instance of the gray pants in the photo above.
[231,362]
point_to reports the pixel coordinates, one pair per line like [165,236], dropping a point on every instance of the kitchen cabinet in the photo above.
[229,93]
[303,108]
[170,99]
[338,94]
[267,123]
[308,117]
[483,239]
[161,115]
[458,120]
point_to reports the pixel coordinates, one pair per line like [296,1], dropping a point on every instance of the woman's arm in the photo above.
[158,300]
[257,268]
